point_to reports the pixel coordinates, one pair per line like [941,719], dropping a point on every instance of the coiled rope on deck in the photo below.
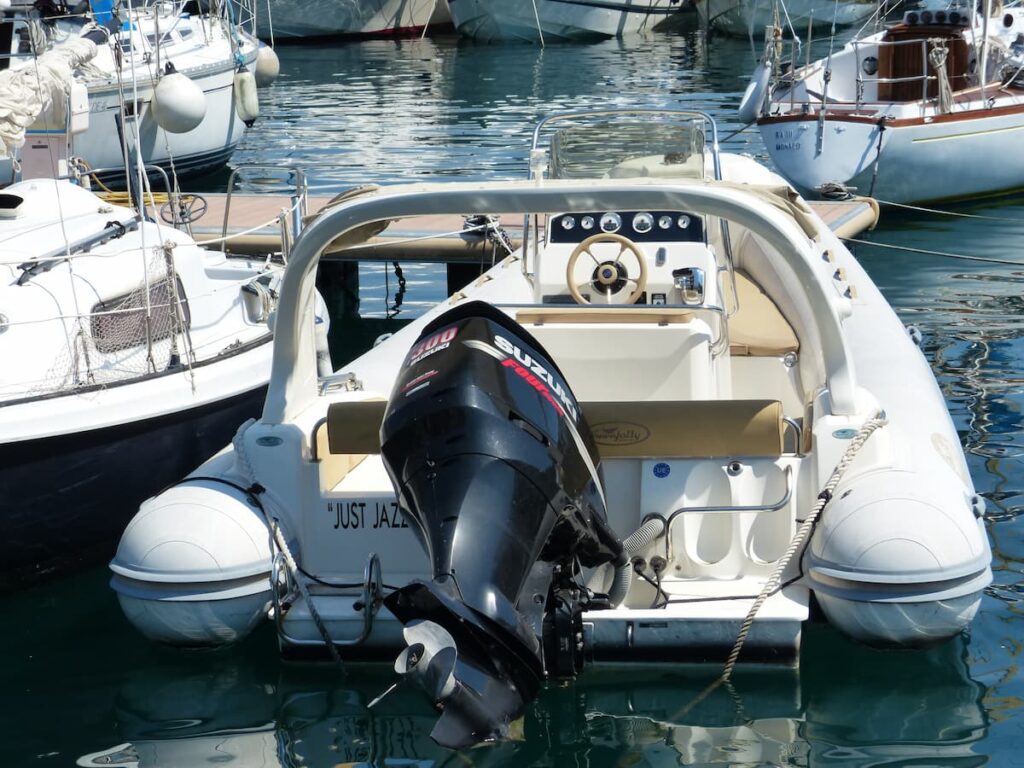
[800,539]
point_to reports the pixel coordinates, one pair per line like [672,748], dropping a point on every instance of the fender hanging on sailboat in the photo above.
[753,97]
[247,103]
[268,66]
[179,104]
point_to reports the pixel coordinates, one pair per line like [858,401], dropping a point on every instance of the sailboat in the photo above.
[129,354]
[187,81]
[929,109]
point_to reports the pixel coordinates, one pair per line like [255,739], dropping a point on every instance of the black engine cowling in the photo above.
[497,472]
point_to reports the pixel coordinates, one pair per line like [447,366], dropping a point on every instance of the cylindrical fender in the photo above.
[753,97]
[247,103]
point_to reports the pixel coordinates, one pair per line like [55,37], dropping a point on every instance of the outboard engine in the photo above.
[497,472]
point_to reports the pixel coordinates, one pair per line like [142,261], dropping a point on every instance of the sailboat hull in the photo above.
[496,20]
[975,151]
[67,498]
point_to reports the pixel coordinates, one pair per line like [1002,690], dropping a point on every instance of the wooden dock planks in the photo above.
[425,238]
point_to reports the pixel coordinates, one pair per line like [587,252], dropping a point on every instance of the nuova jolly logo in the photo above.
[619,433]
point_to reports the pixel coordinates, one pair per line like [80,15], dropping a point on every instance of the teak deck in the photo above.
[426,238]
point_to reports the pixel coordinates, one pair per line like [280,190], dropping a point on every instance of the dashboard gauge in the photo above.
[587,222]
[643,223]
[568,222]
[684,221]
[665,222]
[611,222]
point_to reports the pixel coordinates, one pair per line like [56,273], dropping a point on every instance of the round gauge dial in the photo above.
[684,221]
[587,222]
[568,222]
[665,222]
[643,223]
[611,222]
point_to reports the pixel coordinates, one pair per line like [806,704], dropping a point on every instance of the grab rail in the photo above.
[775,506]
[373,589]
[299,200]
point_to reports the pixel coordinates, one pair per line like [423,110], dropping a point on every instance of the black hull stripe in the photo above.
[186,165]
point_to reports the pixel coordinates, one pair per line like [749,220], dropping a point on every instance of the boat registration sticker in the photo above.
[661,469]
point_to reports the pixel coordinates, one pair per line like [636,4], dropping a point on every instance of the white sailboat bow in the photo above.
[930,109]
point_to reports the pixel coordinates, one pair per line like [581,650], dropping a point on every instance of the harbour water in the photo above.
[76,681]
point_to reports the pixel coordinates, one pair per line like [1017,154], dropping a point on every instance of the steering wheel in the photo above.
[609,276]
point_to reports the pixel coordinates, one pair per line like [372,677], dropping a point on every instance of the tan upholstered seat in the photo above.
[759,328]
[670,430]
[687,429]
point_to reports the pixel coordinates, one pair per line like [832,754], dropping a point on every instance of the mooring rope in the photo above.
[800,539]
[925,209]
[944,254]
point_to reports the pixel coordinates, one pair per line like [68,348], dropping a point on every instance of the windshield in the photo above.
[622,150]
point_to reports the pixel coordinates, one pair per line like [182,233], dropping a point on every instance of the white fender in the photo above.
[268,66]
[178,105]
[247,103]
[193,566]
[753,97]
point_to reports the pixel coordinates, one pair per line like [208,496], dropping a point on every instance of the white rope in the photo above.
[802,534]
[937,56]
[944,254]
[536,17]
[925,209]
[281,541]
[426,22]
[204,242]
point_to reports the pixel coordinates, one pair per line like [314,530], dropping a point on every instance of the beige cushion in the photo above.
[671,430]
[687,429]
[758,328]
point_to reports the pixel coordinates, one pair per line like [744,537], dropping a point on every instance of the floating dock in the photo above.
[251,225]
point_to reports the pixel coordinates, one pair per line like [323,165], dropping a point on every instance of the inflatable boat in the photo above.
[676,420]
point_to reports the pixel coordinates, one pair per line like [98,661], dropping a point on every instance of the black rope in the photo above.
[396,306]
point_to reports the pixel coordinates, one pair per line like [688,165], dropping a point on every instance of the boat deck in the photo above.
[252,228]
